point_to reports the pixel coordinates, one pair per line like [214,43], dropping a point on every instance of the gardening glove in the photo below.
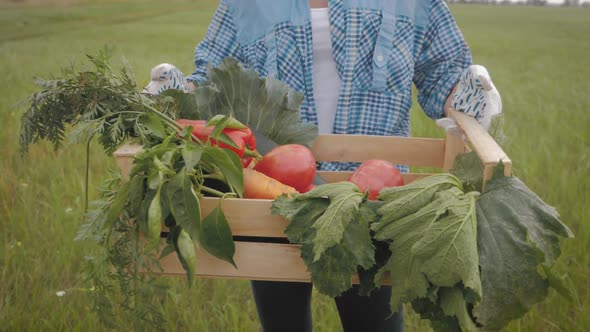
[166,76]
[476,96]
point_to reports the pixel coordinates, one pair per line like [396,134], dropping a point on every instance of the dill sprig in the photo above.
[95,101]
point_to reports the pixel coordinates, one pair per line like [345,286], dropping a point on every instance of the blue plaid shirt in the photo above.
[380,47]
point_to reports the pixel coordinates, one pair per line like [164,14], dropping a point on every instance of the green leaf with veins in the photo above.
[469,169]
[185,249]
[191,154]
[518,234]
[153,124]
[228,163]
[184,204]
[404,200]
[266,105]
[332,273]
[331,225]
[453,304]
[216,236]
[345,199]
[178,102]
[434,245]
[226,122]
[330,217]
[154,221]
[168,249]
[302,213]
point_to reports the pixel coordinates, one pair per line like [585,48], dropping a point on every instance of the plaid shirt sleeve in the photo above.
[444,55]
[220,42]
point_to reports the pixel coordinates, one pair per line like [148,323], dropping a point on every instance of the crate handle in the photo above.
[487,149]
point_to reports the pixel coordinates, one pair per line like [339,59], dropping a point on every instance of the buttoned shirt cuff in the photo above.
[434,107]
[196,78]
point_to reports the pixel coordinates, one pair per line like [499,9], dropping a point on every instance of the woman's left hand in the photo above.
[475,95]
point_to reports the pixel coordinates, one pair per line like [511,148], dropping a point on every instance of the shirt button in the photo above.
[380,58]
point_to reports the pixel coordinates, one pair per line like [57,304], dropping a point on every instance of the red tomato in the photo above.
[290,164]
[374,175]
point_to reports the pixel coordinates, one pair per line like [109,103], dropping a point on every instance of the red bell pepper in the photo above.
[243,138]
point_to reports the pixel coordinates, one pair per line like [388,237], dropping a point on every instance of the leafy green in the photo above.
[429,307]
[185,250]
[228,164]
[155,218]
[117,204]
[370,279]
[469,169]
[517,234]
[453,304]
[153,125]
[332,273]
[332,228]
[302,213]
[184,204]
[191,153]
[266,105]
[404,200]
[227,121]
[343,209]
[434,246]
[173,101]
[216,236]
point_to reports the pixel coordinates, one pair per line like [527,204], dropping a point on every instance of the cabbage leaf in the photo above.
[518,242]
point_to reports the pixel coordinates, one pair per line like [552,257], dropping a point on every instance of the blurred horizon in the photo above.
[558,3]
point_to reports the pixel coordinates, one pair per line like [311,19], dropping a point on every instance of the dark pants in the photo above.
[286,306]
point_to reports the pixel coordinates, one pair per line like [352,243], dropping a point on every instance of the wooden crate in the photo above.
[252,217]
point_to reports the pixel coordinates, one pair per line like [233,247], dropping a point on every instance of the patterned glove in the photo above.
[166,76]
[476,96]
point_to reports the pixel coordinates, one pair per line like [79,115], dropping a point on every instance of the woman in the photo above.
[355,61]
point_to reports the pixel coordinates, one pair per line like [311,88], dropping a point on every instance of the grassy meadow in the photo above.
[538,57]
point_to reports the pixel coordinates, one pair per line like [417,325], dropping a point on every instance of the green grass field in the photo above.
[539,59]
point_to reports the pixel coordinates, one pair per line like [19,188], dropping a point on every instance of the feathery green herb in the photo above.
[96,101]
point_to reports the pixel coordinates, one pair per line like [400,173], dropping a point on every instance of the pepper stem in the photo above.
[252,153]
[212,191]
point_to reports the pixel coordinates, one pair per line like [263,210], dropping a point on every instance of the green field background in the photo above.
[538,57]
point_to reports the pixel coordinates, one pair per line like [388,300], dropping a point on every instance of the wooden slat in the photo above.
[343,176]
[484,145]
[398,150]
[248,217]
[255,261]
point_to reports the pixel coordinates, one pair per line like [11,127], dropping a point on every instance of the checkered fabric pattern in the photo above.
[430,55]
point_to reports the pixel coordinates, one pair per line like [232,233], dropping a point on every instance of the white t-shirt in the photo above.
[326,82]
